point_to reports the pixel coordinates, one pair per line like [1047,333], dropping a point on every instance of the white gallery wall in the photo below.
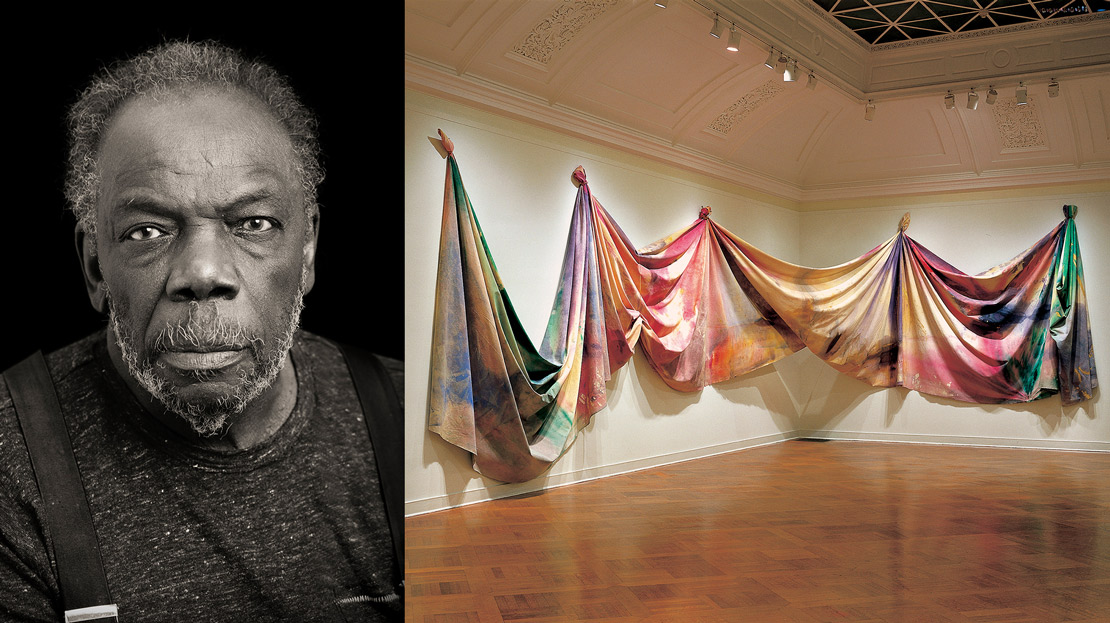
[518,177]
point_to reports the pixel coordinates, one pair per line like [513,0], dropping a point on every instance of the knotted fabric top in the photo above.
[579,175]
[447,144]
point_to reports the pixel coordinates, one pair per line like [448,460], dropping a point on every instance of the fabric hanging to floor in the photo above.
[705,306]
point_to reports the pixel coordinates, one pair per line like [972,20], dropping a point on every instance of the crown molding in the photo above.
[1060,47]
[964,182]
[1022,28]
[443,83]
[998,58]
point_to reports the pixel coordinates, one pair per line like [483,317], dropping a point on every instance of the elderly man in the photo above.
[206,461]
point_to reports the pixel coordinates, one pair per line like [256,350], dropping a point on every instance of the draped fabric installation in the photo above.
[704,306]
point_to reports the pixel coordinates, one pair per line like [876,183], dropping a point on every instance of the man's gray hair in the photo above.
[176,67]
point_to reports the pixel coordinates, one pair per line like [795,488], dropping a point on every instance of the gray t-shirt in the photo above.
[290,530]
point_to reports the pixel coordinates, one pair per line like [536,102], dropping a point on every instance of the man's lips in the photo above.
[198,360]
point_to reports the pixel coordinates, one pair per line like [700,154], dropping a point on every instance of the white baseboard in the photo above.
[504,490]
[958,440]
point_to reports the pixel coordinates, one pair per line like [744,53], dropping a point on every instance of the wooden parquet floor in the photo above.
[800,531]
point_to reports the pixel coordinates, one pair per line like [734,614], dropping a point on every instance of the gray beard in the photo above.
[204,326]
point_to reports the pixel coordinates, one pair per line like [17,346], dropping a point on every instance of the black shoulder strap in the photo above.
[385,420]
[84,587]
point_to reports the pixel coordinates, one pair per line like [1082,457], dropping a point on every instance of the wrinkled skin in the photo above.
[202,253]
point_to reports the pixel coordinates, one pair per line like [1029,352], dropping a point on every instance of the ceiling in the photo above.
[884,21]
[653,81]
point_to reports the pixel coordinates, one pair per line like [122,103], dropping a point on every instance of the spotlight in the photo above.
[949,100]
[718,27]
[791,73]
[733,40]
[869,111]
[972,99]
[771,59]
[1022,94]
[1053,88]
[661,3]
[811,83]
[992,95]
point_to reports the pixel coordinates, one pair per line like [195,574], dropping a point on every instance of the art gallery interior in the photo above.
[829,121]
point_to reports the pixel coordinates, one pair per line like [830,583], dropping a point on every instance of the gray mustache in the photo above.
[205,329]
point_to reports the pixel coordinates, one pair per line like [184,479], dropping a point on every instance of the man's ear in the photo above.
[90,268]
[310,251]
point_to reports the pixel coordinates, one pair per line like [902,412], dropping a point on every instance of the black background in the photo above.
[341,71]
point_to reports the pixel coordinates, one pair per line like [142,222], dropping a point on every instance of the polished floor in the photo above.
[801,531]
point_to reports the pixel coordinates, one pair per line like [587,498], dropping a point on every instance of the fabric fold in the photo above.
[705,306]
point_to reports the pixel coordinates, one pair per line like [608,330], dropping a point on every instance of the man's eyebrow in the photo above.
[152,205]
[250,198]
[140,204]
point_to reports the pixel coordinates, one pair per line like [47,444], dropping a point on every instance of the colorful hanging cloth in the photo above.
[705,306]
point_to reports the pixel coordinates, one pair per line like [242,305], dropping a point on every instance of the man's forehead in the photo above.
[201,120]
[192,133]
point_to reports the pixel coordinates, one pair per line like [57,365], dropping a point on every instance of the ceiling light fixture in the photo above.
[661,3]
[811,83]
[992,95]
[1053,88]
[972,99]
[791,73]
[949,100]
[869,111]
[733,40]
[771,58]
[1022,94]
[718,27]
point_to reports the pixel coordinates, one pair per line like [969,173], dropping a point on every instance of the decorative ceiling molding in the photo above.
[998,58]
[886,22]
[1000,30]
[1060,47]
[833,23]
[1019,126]
[560,27]
[744,106]
[802,31]
[433,80]
[437,81]
[962,182]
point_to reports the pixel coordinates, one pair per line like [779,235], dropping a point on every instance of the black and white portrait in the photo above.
[203,245]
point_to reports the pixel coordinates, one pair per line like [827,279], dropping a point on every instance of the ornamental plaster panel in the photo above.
[558,29]
[1019,126]
[734,114]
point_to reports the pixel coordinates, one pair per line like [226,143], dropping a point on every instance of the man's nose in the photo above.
[203,267]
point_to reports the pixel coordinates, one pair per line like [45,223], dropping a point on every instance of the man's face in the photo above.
[204,249]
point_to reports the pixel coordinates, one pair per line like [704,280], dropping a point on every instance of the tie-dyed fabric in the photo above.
[704,306]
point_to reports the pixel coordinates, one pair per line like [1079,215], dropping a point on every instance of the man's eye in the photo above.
[256,224]
[145,232]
